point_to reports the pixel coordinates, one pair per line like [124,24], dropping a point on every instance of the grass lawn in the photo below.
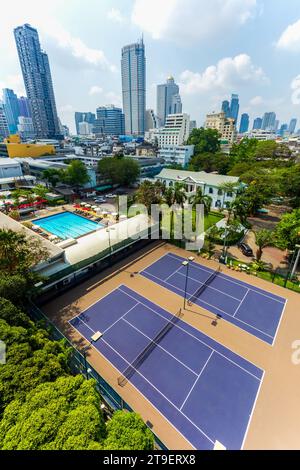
[211,219]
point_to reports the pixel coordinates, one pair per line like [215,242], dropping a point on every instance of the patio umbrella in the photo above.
[114,214]
[82,203]
[123,216]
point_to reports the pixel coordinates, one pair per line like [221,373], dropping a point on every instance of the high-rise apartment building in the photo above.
[25,128]
[226,108]
[257,123]
[133,68]
[168,100]
[38,82]
[292,126]
[244,124]
[4,132]
[110,121]
[225,126]
[24,107]
[152,120]
[84,117]
[268,122]
[234,107]
[176,130]
[11,108]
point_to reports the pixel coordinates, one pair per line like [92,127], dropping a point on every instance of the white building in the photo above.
[175,132]
[85,128]
[261,134]
[176,154]
[25,127]
[209,183]
[11,174]
[225,126]
[152,121]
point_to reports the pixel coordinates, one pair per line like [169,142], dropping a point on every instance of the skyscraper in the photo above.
[244,125]
[268,122]
[133,66]
[283,129]
[292,126]
[24,107]
[83,117]
[38,82]
[4,132]
[168,100]
[257,123]
[234,107]
[110,121]
[11,109]
[226,108]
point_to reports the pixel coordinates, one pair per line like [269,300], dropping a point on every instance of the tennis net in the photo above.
[138,361]
[202,288]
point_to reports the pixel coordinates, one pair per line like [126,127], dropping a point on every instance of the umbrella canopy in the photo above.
[123,216]
[114,214]
[82,203]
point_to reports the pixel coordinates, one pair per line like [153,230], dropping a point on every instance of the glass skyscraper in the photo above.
[234,107]
[38,82]
[168,100]
[11,108]
[268,122]
[24,107]
[292,126]
[226,108]
[244,125]
[110,121]
[257,123]
[83,117]
[133,66]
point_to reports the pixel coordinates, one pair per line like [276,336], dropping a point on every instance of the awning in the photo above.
[103,188]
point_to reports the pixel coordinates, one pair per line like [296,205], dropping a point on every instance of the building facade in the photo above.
[292,126]
[210,184]
[168,100]
[234,107]
[176,130]
[257,123]
[110,121]
[244,124]
[226,108]
[25,128]
[268,121]
[83,117]
[225,126]
[133,68]
[38,82]
[24,107]
[152,120]
[4,132]
[176,154]
[11,108]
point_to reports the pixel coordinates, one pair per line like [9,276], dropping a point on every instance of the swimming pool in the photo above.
[67,225]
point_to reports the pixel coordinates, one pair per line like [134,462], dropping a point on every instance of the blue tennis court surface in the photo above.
[254,310]
[203,389]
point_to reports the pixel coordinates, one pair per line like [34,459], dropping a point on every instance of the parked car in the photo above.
[100,200]
[246,249]
[110,196]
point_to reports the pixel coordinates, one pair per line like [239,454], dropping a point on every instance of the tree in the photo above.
[119,170]
[263,238]
[62,415]
[149,193]
[13,315]
[127,431]
[205,140]
[76,174]
[19,253]
[52,176]
[290,182]
[200,198]
[16,287]
[40,190]
[244,151]
[288,230]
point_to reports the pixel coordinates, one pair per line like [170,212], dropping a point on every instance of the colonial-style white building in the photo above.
[210,184]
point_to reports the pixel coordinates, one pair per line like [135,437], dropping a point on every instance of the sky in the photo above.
[212,48]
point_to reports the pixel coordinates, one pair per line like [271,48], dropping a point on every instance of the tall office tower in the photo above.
[292,126]
[11,108]
[24,107]
[226,108]
[133,66]
[276,126]
[110,121]
[38,82]
[152,121]
[83,117]
[193,125]
[234,107]
[257,123]
[4,132]
[168,100]
[283,129]
[25,128]
[244,125]
[268,122]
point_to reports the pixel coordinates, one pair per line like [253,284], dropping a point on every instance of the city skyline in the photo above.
[265,79]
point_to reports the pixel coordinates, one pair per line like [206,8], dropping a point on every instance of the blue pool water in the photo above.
[67,225]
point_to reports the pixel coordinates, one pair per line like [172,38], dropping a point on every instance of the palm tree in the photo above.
[228,188]
[200,198]
[263,238]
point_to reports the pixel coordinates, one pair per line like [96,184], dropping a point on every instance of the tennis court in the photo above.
[254,310]
[203,389]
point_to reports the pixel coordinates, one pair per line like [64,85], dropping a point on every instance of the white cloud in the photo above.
[95,90]
[15,82]
[229,72]
[181,20]
[290,38]
[66,108]
[113,98]
[115,15]
[295,86]
[256,101]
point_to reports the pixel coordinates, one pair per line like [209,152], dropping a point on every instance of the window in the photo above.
[218,203]
[220,192]
[229,194]
[211,191]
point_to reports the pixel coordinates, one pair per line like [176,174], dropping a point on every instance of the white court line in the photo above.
[172,274]
[279,323]
[210,287]
[241,302]
[121,318]
[85,325]
[199,375]
[160,347]
[229,279]
[167,399]
[252,411]
[199,340]
[217,308]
